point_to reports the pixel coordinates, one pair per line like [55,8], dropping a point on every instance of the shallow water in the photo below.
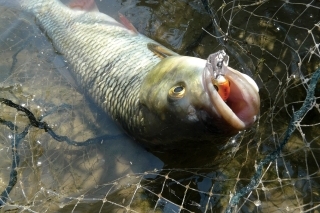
[31,72]
[117,174]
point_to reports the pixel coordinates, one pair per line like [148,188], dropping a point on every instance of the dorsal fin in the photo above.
[127,23]
[161,51]
[85,5]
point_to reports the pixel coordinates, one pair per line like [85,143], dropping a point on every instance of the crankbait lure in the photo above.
[216,64]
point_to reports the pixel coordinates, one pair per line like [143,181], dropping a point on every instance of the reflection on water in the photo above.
[118,174]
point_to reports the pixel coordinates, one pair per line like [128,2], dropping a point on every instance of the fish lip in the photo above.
[242,107]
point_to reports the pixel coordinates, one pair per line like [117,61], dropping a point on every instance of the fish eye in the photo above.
[177,92]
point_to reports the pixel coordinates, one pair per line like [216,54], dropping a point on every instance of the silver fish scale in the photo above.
[108,60]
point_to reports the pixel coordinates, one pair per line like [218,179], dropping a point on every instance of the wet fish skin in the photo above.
[115,67]
[107,60]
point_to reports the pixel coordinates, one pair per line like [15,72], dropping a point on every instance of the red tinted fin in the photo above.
[127,23]
[86,5]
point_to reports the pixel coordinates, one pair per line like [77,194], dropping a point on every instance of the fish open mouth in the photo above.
[241,108]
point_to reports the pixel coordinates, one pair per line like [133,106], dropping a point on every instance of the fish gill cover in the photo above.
[59,154]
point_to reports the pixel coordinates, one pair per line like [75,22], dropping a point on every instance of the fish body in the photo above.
[156,95]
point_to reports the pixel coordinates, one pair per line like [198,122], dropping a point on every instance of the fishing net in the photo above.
[59,153]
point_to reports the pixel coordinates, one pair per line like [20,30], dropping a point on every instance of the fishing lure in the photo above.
[216,64]
[222,86]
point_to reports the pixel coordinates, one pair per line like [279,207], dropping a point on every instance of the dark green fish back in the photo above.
[108,60]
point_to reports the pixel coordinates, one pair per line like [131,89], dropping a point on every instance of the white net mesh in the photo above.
[273,167]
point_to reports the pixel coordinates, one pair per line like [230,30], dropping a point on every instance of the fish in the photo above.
[156,95]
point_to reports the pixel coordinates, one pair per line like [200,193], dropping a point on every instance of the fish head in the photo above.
[180,102]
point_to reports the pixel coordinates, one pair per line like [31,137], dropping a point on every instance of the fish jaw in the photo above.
[242,107]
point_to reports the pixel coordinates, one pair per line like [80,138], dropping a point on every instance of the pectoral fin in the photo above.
[161,51]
